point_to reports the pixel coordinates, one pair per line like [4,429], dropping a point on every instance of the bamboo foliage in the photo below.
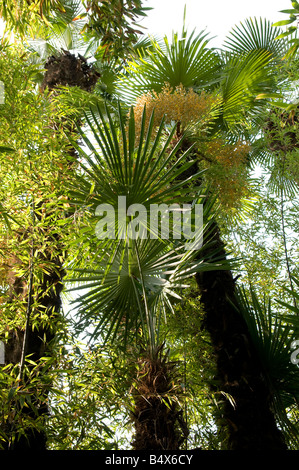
[133,296]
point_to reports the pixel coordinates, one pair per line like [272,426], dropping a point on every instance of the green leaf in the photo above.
[4,149]
[11,393]
[285,22]
[252,35]
[262,96]
[285,34]
[133,279]
[290,11]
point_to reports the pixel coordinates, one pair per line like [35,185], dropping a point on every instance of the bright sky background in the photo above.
[216,16]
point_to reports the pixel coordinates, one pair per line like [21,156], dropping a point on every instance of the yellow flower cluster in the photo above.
[227,170]
[226,163]
[180,105]
[228,155]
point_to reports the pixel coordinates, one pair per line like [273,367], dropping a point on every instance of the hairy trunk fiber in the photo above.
[159,424]
[62,70]
[249,420]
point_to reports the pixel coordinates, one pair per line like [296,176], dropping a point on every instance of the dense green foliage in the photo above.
[131,304]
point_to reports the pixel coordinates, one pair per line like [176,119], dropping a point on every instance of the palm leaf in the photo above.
[279,183]
[243,78]
[255,34]
[113,168]
[142,277]
[292,319]
[186,61]
[132,281]
[63,32]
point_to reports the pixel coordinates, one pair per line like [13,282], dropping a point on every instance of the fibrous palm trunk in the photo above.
[62,70]
[248,419]
[158,419]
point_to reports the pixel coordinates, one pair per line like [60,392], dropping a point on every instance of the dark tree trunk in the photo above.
[250,422]
[35,340]
[159,423]
[62,70]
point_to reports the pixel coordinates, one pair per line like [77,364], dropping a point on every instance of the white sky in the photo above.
[216,16]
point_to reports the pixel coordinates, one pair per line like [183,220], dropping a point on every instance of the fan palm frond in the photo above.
[63,33]
[292,308]
[142,170]
[185,60]
[133,280]
[279,183]
[243,78]
[255,34]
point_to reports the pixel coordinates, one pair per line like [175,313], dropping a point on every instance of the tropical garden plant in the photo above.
[247,76]
[170,331]
[131,281]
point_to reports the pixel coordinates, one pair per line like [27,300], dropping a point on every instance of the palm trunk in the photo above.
[158,419]
[249,420]
[63,70]
[246,419]
[249,423]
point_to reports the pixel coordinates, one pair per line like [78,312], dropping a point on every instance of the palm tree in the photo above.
[237,77]
[42,290]
[63,50]
[130,284]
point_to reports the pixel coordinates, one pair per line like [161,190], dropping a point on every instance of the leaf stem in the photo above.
[29,304]
[285,240]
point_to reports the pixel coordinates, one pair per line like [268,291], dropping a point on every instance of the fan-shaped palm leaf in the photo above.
[186,61]
[243,78]
[293,308]
[120,165]
[132,280]
[63,33]
[255,35]
[238,76]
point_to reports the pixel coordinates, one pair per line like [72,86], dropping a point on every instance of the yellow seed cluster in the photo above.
[225,162]
[228,155]
[231,188]
[227,171]
[179,105]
